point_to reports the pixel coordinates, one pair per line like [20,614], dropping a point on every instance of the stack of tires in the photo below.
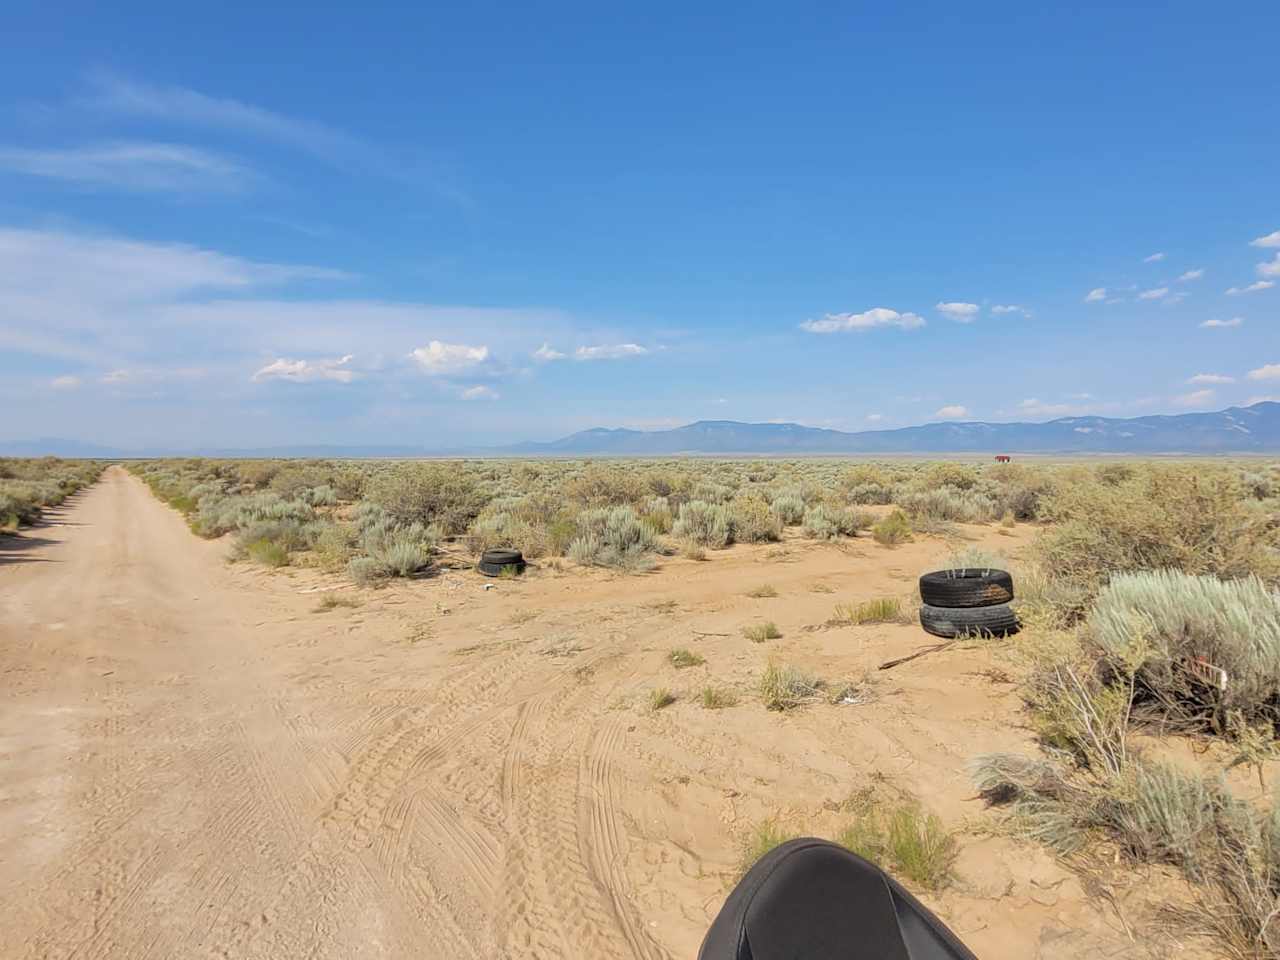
[967,602]
[494,563]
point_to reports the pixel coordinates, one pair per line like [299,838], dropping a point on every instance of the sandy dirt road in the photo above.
[195,761]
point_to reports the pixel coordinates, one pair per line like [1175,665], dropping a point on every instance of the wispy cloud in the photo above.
[480,392]
[1197,398]
[1233,322]
[1096,295]
[1003,308]
[875,317]
[1191,275]
[1270,268]
[1154,258]
[1270,240]
[307,371]
[65,382]
[874,417]
[1256,287]
[1038,408]
[1268,371]
[1159,293]
[952,411]
[139,167]
[1211,378]
[112,93]
[958,310]
[615,351]
[439,359]
[546,353]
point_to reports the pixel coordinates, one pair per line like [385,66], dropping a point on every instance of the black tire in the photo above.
[494,562]
[994,621]
[966,588]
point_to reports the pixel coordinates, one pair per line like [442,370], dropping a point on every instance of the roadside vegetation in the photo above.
[378,520]
[29,487]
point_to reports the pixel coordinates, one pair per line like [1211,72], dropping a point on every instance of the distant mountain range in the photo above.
[1252,429]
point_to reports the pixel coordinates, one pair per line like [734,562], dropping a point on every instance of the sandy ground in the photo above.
[194,762]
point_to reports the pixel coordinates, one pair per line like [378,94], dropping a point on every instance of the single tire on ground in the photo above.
[966,588]
[494,562]
[994,621]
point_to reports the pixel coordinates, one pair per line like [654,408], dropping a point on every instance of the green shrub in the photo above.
[893,529]
[267,552]
[1159,623]
[753,521]
[826,523]
[704,524]
[788,508]
[436,494]
[948,504]
[613,537]
[1158,518]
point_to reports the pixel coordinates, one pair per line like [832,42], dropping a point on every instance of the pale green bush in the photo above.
[704,524]
[1158,622]
[613,537]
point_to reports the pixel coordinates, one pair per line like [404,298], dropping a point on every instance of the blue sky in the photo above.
[253,225]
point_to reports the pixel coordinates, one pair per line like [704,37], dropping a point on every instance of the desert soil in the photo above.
[196,762]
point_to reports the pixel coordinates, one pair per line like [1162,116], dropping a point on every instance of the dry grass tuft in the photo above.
[880,610]
[762,838]
[783,687]
[765,591]
[760,632]
[660,698]
[717,698]
[682,657]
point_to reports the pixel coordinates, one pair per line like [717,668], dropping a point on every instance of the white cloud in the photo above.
[116,377]
[65,382]
[1269,371]
[1262,398]
[307,371]
[1154,258]
[1003,308]
[1270,240]
[616,351]
[1254,287]
[1191,275]
[1211,378]
[875,317]
[875,417]
[952,411]
[546,353]
[141,167]
[438,359]
[1158,293]
[958,311]
[1270,268]
[1233,322]
[480,392]
[1197,398]
[1096,294]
